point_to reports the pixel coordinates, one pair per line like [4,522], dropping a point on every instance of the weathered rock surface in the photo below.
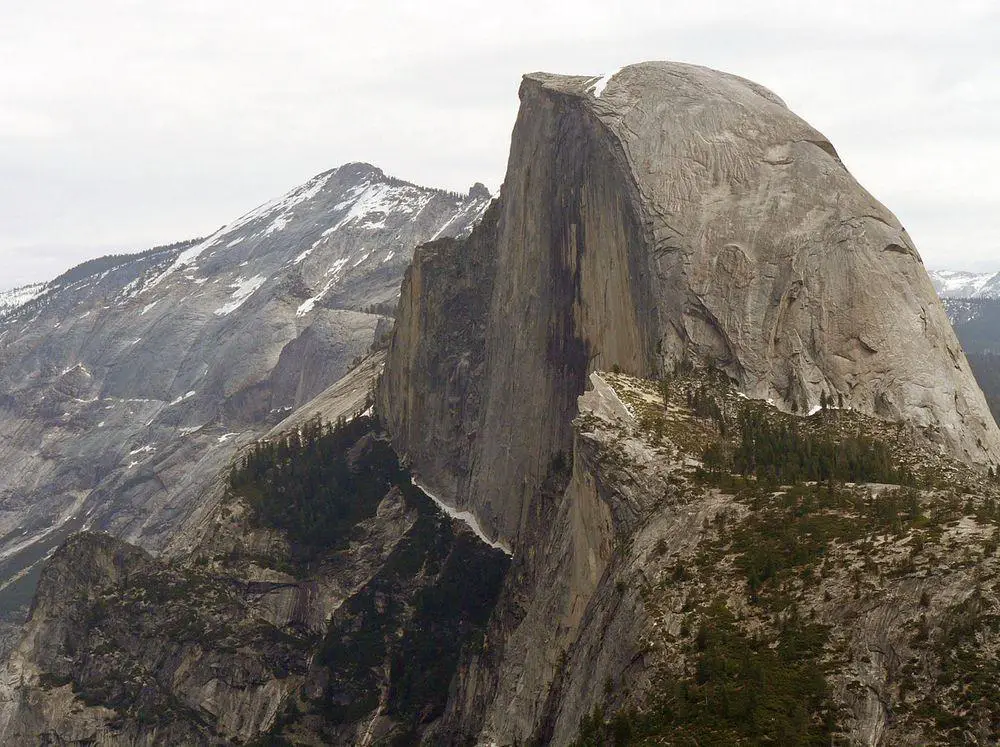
[127,384]
[665,219]
[681,214]
[666,215]
[642,551]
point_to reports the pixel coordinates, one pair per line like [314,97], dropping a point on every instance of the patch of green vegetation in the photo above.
[741,690]
[50,681]
[400,636]
[431,598]
[781,453]
[807,513]
[786,533]
[316,484]
[270,740]
[448,615]
[966,689]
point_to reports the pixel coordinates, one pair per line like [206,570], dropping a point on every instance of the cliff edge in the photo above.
[665,213]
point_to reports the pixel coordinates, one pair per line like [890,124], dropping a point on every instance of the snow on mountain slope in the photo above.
[963,310]
[966,295]
[16,297]
[962,284]
[127,384]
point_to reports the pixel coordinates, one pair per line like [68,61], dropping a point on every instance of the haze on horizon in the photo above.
[124,125]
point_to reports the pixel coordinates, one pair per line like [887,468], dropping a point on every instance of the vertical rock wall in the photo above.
[554,283]
[676,213]
[683,214]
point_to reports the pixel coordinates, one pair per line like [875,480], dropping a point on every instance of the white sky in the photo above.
[127,123]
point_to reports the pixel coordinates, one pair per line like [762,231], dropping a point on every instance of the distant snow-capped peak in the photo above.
[356,196]
[319,238]
[17,297]
[963,284]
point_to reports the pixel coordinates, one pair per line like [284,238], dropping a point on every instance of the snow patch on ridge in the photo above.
[281,210]
[962,284]
[17,297]
[338,266]
[474,209]
[379,200]
[186,395]
[602,83]
[243,289]
[310,303]
[68,514]
[278,224]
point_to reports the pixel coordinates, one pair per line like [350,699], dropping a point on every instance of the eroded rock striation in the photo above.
[619,374]
[243,631]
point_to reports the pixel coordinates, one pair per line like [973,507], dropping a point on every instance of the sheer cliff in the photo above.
[713,570]
[262,625]
[662,217]
[668,213]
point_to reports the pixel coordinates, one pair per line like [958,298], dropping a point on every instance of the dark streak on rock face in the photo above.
[685,215]
[569,291]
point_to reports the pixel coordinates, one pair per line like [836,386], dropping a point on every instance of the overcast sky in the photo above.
[127,123]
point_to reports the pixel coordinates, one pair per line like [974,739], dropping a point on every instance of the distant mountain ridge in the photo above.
[128,382]
[624,377]
[972,302]
[16,297]
[963,284]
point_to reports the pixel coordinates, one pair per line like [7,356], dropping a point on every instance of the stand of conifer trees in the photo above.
[784,454]
[315,483]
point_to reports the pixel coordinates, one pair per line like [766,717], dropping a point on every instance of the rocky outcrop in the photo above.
[244,634]
[431,397]
[645,552]
[681,214]
[675,575]
[665,216]
[794,279]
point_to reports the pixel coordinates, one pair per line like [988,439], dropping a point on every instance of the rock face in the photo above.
[877,620]
[976,321]
[664,220]
[646,559]
[128,383]
[665,216]
[667,213]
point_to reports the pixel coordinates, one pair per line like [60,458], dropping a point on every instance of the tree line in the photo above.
[783,453]
[317,482]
